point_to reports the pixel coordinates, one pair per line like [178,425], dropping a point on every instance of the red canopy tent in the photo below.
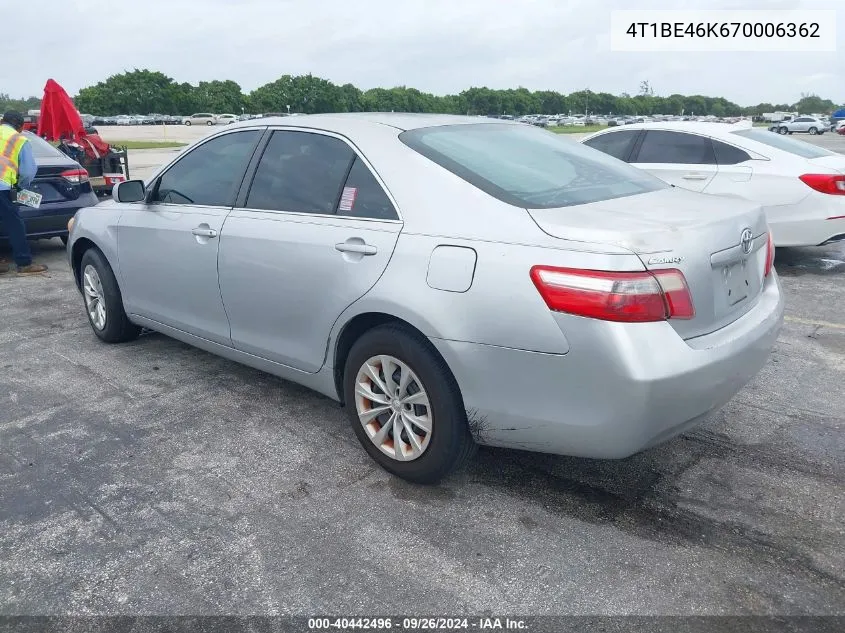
[60,119]
[58,116]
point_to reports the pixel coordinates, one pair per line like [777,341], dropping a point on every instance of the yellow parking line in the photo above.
[836,326]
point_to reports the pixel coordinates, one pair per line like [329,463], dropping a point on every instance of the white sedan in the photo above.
[800,186]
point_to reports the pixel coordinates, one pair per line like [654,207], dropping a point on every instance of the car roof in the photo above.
[400,120]
[696,127]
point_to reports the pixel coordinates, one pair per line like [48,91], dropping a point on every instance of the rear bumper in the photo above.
[620,389]
[807,223]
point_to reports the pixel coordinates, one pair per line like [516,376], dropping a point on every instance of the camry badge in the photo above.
[665,259]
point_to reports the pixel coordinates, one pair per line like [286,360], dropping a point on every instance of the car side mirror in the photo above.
[129,191]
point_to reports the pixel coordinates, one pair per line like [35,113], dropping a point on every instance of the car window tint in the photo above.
[728,154]
[211,173]
[616,144]
[301,172]
[660,146]
[528,167]
[363,197]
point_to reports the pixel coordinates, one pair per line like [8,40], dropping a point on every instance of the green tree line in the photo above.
[146,91]
[20,105]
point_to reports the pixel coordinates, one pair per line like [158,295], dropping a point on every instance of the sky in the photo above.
[434,45]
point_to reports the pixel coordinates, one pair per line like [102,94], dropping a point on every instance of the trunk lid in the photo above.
[49,183]
[698,234]
[831,162]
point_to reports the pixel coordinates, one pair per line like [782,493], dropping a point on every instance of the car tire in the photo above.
[813,131]
[97,278]
[782,130]
[209,123]
[63,238]
[448,444]
[188,123]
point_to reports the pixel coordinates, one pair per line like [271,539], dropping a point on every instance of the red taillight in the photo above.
[825,183]
[615,296]
[770,255]
[75,176]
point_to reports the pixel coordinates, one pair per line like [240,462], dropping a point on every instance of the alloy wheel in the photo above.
[95,301]
[393,407]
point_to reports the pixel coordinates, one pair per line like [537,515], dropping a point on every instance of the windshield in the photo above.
[799,148]
[528,167]
[41,148]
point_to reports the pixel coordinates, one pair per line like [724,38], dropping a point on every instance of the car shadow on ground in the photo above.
[824,260]
[655,495]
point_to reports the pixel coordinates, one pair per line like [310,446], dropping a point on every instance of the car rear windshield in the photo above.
[528,167]
[772,139]
[41,148]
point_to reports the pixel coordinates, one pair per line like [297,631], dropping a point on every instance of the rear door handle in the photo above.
[352,247]
[695,176]
[200,232]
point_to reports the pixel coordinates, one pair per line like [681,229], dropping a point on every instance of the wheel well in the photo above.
[79,247]
[354,330]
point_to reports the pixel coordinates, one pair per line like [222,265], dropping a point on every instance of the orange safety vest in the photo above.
[11,144]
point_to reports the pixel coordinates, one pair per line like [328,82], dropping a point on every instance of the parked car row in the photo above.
[200,118]
[304,248]
[581,120]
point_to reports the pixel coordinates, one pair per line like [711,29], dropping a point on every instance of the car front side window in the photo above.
[210,174]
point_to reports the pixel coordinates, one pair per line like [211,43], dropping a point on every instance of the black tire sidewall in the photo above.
[117,323]
[449,429]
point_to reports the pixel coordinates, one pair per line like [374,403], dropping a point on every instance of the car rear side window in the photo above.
[728,154]
[210,174]
[363,197]
[661,146]
[528,167]
[301,172]
[616,144]
[41,148]
[778,141]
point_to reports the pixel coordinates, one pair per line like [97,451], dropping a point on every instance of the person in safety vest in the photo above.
[17,169]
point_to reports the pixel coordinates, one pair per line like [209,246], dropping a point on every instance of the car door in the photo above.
[167,246]
[802,124]
[314,233]
[682,159]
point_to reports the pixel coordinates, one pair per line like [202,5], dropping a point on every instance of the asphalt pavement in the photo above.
[154,478]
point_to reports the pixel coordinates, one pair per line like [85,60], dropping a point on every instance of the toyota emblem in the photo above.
[746,241]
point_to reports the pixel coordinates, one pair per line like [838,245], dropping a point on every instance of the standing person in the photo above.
[17,169]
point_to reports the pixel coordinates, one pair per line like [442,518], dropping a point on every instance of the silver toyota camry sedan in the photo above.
[452,281]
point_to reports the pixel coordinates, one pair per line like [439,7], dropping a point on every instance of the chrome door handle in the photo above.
[204,232]
[351,247]
[694,176]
